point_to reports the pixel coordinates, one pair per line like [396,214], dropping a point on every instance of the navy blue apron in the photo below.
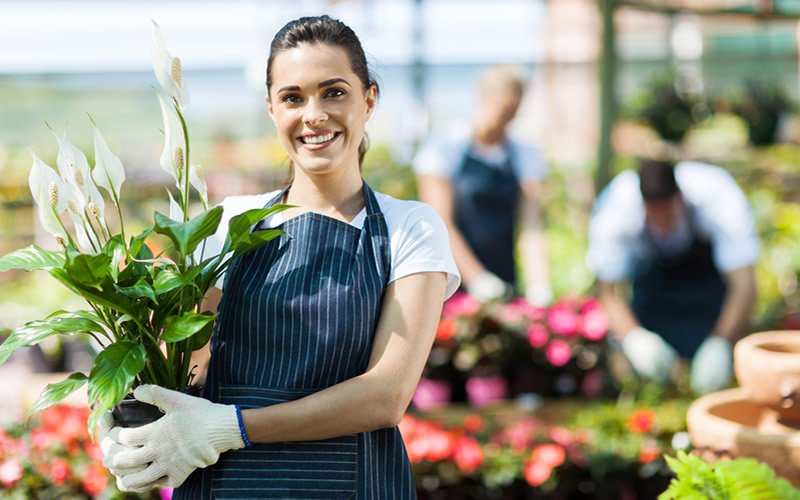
[678,297]
[486,199]
[298,315]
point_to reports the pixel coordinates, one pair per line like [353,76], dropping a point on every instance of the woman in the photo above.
[323,333]
[486,186]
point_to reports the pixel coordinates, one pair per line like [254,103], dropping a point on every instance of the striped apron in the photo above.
[298,315]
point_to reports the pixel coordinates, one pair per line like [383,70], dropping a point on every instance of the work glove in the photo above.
[486,287]
[649,354]
[711,368]
[192,434]
[108,446]
[539,294]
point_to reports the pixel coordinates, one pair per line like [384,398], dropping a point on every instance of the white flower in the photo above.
[108,171]
[74,169]
[174,143]
[40,180]
[168,70]
[197,180]
[175,210]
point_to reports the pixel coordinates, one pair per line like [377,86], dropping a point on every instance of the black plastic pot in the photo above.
[133,413]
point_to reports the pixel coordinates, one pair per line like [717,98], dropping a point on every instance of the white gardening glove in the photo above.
[539,294]
[649,354]
[191,435]
[711,368]
[486,287]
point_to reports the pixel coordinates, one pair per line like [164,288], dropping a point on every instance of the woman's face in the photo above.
[319,107]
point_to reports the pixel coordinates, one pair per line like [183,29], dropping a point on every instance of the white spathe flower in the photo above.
[74,169]
[197,180]
[175,210]
[168,70]
[108,171]
[40,180]
[174,143]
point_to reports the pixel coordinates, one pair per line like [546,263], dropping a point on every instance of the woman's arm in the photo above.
[533,245]
[378,398]
[201,356]
[438,193]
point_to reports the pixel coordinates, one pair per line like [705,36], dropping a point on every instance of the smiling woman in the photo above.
[323,333]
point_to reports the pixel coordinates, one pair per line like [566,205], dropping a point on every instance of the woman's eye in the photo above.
[334,93]
[291,98]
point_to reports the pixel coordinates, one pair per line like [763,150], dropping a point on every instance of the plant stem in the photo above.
[186,162]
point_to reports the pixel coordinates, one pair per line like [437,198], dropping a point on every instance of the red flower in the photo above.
[467,454]
[550,454]
[536,473]
[563,320]
[10,472]
[648,454]
[561,436]
[518,435]
[537,335]
[641,420]
[95,479]
[460,304]
[59,471]
[473,422]
[595,321]
[558,352]
[447,329]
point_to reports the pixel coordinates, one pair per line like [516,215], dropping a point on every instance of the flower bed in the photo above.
[488,352]
[583,450]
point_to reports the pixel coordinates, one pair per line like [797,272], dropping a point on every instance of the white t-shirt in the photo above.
[722,214]
[442,157]
[418,238]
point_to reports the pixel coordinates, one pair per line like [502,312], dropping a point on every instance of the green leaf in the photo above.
[255,240]
[115,249]
[137,248]
[112,376]
[168,280]
[33,332]
[202,337]
[185,326]
[54,393]
[88,270]
[239,226]
[142,288]
[187,235]
[30,259]
[112,300]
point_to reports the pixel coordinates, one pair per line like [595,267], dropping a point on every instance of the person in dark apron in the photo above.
[315,353]
[682,305]
[489,198]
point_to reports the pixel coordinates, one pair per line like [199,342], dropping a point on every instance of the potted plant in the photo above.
[144,309]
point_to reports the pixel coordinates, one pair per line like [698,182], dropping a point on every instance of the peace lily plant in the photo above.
[144,309]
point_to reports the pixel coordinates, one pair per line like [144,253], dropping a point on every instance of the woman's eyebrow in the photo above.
[325,83]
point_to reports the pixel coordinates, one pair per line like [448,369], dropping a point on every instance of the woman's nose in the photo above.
[314,113]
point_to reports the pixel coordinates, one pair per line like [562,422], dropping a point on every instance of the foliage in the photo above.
[144,309]
[761,105]
[739,479]
[53,457]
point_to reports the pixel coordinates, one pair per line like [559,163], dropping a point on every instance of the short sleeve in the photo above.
[723,212]
[617,220]
[438,158]
[421,244]
[529,163]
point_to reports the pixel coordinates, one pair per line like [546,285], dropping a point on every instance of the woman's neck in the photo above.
[337,196]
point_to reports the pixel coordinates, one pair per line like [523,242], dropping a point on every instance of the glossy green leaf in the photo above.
[54,393]
[187,235]
[112,376]
[31,258]
[167,280]
[185,326]
[202,337]
[33,332]
[115,249]
[255,240]
[239,226]
[112,300]
[88,270]
[142,288]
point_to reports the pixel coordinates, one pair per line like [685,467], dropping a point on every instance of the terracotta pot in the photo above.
[768,368]
[726,424]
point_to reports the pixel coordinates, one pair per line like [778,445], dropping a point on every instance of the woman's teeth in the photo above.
[317,139]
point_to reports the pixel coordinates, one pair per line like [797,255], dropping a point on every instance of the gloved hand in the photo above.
[539,294]
[649,354]
[108,446]
[191,435]
[711,368]
[487,286]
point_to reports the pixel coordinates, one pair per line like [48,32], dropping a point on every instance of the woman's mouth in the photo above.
[318,141]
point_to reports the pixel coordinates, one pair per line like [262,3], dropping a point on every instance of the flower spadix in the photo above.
[168,70]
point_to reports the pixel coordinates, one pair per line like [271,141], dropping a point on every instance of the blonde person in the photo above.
[323,333]
[487,186]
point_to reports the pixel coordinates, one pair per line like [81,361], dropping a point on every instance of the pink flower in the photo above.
[467,454]
[537,335]
[519,434]
[551,454]
[595,321]
[95,479]
[592,383]
[536,473]
[473,422]
[561,436]
[460,304]
[431,394]
[483,391]
[563,320]
[558,352]
[10,472]
[59,471]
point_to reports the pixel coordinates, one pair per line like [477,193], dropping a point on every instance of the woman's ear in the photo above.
[371,97]
[269,107]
